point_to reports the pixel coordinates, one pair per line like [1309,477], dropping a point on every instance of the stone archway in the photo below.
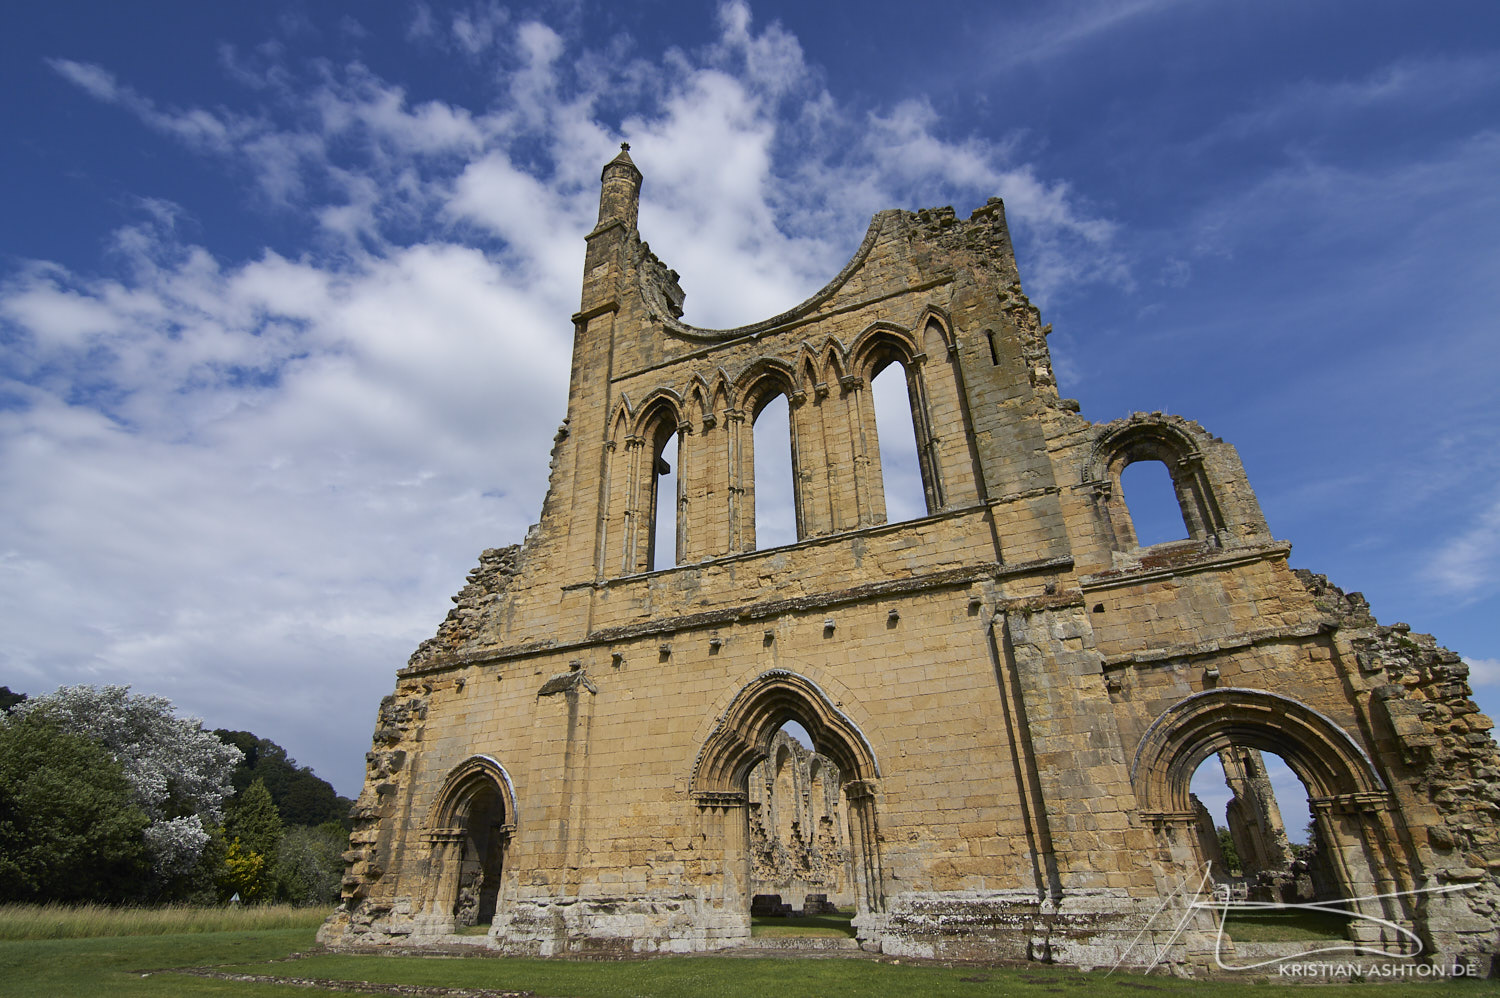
[469,831]
[742,737]
[1350,804]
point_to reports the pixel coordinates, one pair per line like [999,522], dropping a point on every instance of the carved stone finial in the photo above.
[624,146]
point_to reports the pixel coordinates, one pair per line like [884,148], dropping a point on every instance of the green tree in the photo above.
[310,864]
[178,773]
[69,830]
[1226,847]
[246,873]
[302,797]
[253,821]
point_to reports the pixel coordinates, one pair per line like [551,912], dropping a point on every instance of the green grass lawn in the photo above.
[838,925]
[138,965]
[1269,925]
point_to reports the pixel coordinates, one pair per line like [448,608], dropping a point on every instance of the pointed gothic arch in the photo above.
[469,829]
[742,737]
[877,347]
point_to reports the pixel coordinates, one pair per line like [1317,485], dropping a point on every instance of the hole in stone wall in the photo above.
[775,512]
[900,471]
[800,863]
[664,528]
[1152,500]
[1262,834]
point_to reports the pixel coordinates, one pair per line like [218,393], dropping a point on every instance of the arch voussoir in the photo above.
[1319,751]
[742,736]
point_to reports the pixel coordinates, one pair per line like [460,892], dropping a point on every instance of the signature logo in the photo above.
[1404,944]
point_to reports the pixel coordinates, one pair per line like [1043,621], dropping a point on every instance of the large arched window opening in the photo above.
[775,498]
[895,429]
[1151,497]
[666,505]
[1143,468]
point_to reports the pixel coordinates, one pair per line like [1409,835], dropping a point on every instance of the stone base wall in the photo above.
[1091,928]
[616,925]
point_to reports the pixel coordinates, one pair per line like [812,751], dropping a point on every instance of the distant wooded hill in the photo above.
[301,796]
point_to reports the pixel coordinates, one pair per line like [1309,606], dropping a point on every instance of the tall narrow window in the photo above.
[664,506]
[900,471]
[1152,500]
[775,509]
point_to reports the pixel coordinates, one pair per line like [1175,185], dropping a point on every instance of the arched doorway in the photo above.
[798,828]
[742,738]
[1351,809]
[469,832]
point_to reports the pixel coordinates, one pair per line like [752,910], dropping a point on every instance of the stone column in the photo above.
[1350,827]
[864,843]
[446,867]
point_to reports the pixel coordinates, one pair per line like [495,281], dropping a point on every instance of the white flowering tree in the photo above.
[178,772]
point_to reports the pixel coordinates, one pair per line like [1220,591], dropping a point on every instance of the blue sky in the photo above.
[284,287]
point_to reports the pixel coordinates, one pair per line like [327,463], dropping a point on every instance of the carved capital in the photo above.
[1190,463]
[1356,803]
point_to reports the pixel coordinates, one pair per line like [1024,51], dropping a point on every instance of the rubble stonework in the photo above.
[1009,694]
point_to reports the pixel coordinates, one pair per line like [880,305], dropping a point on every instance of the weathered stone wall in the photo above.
[1013,691]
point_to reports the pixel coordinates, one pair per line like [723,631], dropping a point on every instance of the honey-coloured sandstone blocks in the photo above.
[1007,696]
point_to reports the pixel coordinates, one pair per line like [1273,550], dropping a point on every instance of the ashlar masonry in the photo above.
[1009,691]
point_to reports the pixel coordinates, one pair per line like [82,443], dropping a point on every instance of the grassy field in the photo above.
[826,926]
[58,921]
[129,965]
[1293,925]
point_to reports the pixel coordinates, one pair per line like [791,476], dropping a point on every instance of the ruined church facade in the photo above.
[1010,692]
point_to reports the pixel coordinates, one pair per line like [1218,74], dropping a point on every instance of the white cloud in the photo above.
[233,478]
[1411,84]
[195,126]
[1468,565]
[1484,671]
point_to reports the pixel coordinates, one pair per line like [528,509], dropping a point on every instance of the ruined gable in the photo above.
[1008,693]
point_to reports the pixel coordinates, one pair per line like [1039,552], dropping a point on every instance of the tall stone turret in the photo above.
[620,190]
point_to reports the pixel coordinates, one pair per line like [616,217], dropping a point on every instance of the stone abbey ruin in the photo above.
[1006,696]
